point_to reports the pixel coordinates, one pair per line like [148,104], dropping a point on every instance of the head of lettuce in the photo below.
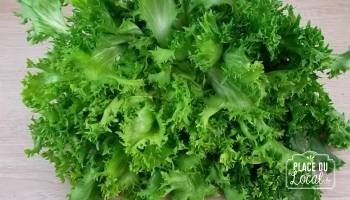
[186,99]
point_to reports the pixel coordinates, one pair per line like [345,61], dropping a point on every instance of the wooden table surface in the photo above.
[34,179]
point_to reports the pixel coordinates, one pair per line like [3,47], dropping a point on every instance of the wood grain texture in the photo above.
[34,179]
